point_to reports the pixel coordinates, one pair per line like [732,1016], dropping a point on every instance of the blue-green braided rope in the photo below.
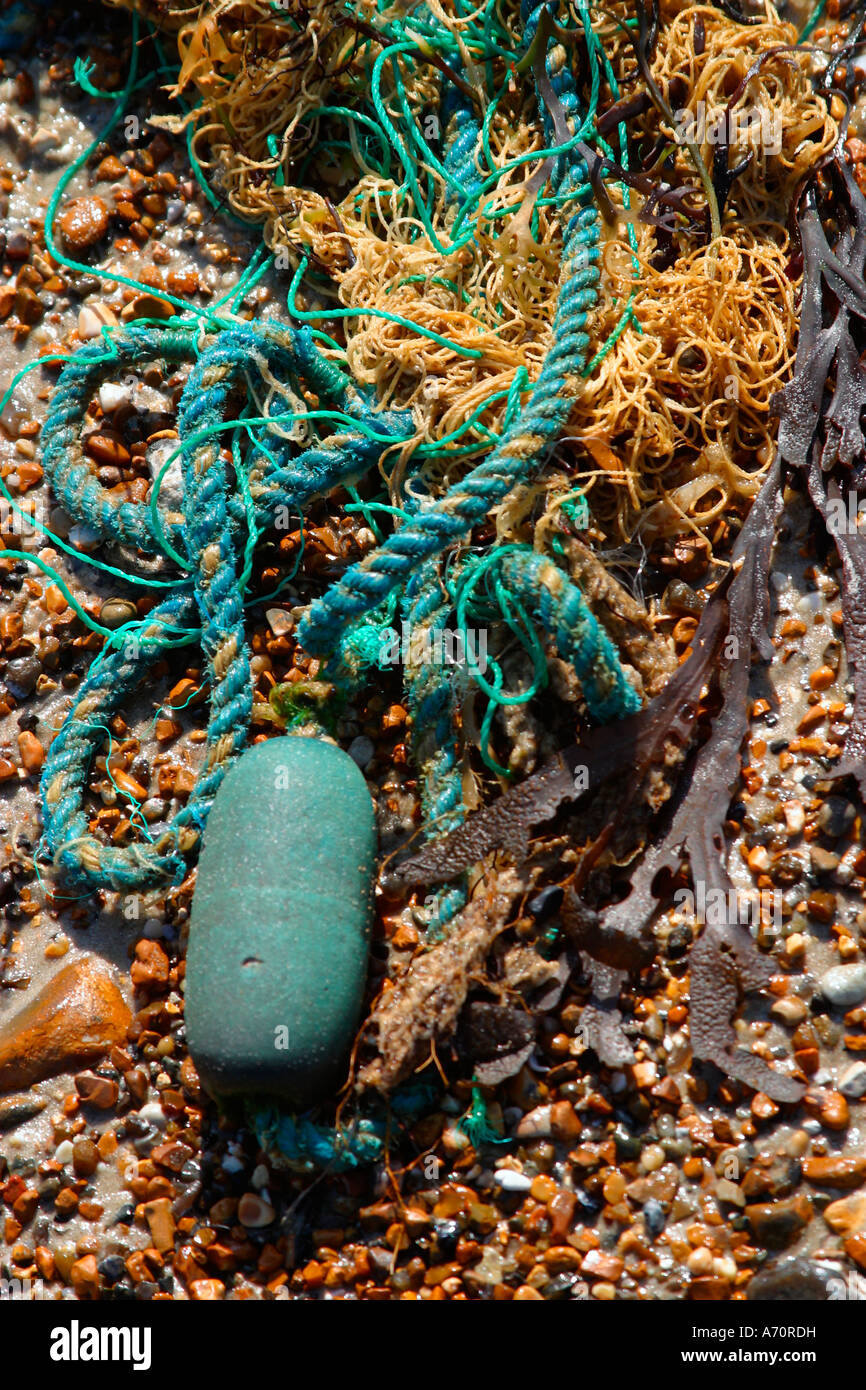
[210,539]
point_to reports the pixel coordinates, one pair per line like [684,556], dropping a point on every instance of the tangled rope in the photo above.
[229,499]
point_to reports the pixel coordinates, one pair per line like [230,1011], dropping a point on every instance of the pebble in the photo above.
[852,1082]
[844,985]
[836,816]
[83,223]
[795,816]
[21,675]
[114,612]
[822,860]
[788,1281]
[31,751]
[18,245]
[512,1181]
[835,1170]
[85,1157]
[361,751]
[92,318]
[847,1215]
[654,1217]
[254,1212]
[95,1090]
[148,306]
[113,394]
[536,1124]
[652,1158]
[106,450]
[261,1177]
[279,621]
[153,1114]
[157,1214]
[77,1017]
[15,1110]
[280,921]
[776,1224]
[84,1277]
[789,1010]
[602,1265]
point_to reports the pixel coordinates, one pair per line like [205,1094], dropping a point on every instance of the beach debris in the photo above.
[280,922]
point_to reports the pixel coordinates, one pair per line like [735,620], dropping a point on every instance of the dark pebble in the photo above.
[788,1281]
[678,942]
[112,1268]
[18,246]
[628,1146]
[21,675]
[447,1235]
[654,1216]
[835,816]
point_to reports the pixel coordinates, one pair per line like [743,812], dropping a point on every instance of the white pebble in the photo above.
[43,139]
[508,1179]
[112,394]
[171,486]
[279,620]
[63,1152]
[852,1083]
[844,985]
[153,1113]
[93,318]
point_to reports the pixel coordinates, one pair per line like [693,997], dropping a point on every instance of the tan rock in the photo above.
[76,1018]
[84,1277]
[847,1215]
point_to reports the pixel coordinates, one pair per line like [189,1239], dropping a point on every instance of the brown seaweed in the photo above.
[821,409]
[725,960]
